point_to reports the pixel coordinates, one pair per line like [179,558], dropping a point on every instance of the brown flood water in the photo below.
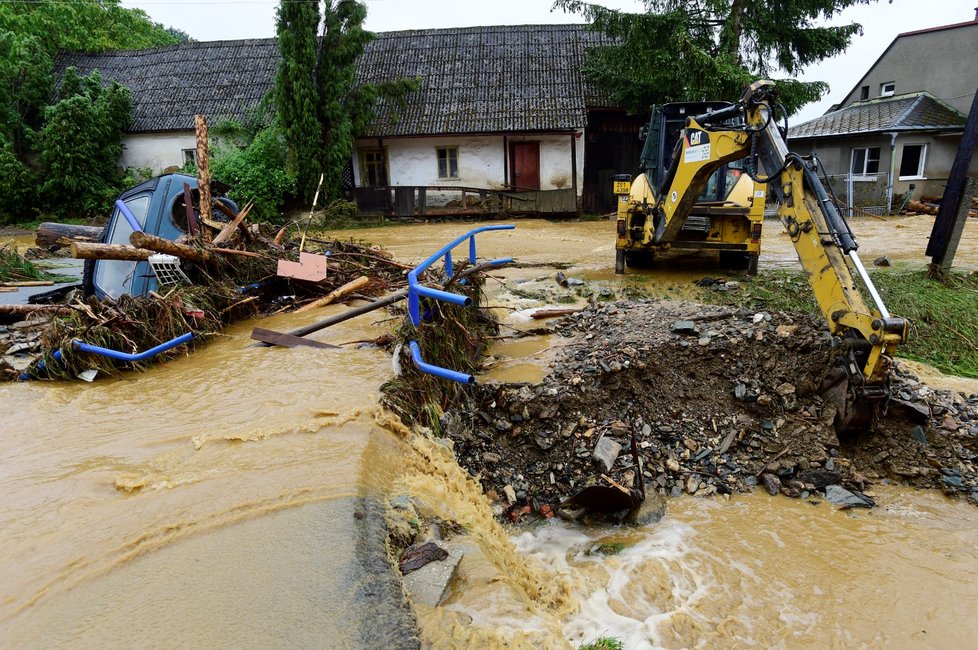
[169,502]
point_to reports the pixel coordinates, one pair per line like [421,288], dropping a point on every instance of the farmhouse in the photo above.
[503,109]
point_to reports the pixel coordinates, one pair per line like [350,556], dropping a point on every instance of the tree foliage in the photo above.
[81,142]
[252,157]
[322,107]
[688,50]
[84,25]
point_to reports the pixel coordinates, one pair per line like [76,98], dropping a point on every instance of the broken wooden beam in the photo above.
[203,173]
[336,294]
[287,340]
[27,283]
[87,251]
[236,221]
[49,234]
[347,315]
[184,252]
[552,313]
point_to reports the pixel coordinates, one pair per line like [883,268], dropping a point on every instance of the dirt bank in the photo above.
[723,402]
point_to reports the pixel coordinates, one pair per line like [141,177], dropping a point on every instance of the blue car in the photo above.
[158,206]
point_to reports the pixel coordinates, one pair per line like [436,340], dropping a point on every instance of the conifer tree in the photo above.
[688,50]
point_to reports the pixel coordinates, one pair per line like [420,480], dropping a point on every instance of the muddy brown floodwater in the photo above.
[209,502]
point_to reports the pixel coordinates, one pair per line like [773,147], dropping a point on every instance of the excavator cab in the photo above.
[728,214]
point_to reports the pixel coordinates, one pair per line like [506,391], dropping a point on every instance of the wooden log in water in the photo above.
[49,233]
[86,251]
[27,310]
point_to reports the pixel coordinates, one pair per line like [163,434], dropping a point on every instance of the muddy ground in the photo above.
[726,401]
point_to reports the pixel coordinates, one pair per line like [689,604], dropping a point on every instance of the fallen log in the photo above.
[287,340]
[86,251]
[27,310]
[336,294]
[48,234]
[540,314]
[160,245]
[27,283]
[918,206]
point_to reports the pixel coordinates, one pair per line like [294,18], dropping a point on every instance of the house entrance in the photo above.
[524,160]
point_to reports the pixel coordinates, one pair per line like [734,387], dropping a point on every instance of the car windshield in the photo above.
[114,277]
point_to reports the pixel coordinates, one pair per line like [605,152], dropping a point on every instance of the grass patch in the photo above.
[942,314]
[604,643]
[14,268]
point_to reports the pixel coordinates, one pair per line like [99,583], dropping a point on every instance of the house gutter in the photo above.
[889,180]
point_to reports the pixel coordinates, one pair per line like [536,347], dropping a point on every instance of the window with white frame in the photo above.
[447,162]
[912,162]
[865,161]
[887,88]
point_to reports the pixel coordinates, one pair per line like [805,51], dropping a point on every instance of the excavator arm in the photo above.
[823,240]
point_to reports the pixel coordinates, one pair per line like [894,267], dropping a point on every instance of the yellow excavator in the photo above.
[748,131]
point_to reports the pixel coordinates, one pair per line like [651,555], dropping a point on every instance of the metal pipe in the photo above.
[446,296]
[884,312]
[124,209]
[438,371]
[131,357]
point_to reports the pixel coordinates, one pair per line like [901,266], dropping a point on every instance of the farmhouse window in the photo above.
[190,157]
[887,89]
[865,161]
[912,163]
[373,170]
[447,162]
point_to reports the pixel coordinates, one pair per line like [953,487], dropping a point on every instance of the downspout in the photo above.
[573,139]
[889,181]
[505,162]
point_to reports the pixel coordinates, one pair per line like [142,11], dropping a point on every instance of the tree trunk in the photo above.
[203,172]
[27,310]
[732,28]
[86,251]
[49,233]
[160,245]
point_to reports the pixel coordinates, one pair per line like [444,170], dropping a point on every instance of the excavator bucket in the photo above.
[855,407]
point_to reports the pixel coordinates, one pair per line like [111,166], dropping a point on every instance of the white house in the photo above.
[501,111]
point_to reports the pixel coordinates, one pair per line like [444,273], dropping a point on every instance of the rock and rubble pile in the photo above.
[717,400]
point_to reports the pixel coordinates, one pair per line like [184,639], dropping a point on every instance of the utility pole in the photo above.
[958,193]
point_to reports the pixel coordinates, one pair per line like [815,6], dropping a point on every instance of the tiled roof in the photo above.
[473,80]
[911,112]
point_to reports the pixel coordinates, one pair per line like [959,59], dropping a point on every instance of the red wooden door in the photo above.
[525,158]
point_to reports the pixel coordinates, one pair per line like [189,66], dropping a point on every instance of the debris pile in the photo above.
[931,204]
[716,401]
[225,279]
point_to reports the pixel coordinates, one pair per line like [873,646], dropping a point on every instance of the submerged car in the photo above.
[158,206]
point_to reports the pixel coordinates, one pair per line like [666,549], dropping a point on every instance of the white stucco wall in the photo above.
[156,150]
[481,160]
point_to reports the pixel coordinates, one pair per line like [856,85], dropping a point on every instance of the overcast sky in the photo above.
[208,20]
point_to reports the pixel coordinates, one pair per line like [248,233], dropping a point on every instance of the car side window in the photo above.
[114,277]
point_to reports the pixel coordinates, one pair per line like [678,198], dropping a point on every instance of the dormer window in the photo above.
[887,89]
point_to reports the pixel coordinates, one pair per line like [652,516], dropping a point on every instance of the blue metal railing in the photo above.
[416,290]
[116,354]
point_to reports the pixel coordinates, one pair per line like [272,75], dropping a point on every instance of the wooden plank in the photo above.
[287,340]
[188,205]
[336,294]
[228,230]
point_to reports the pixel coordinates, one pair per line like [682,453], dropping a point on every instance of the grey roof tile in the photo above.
[911,112]
[473,80]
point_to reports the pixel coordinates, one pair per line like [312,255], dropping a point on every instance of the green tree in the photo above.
[322,107]
[84,25]
[297,92]
[687,50]
[81,142]
[26,84]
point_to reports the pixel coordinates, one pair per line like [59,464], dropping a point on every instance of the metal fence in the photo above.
[859,193]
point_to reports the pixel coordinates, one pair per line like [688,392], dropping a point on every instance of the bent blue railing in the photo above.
[416,290]
[116,354]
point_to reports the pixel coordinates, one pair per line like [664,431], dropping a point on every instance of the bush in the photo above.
[80,145]
[257,172]
[17,187]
